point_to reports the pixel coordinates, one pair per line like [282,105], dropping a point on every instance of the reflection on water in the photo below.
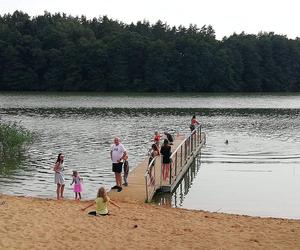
[176,198]
[12,164]
[262,130]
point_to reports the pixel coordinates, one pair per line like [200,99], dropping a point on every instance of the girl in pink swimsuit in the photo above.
[77,180]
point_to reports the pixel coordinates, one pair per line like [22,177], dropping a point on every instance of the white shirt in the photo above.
[117,152]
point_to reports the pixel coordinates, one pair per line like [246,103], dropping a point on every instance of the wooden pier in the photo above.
[144,180]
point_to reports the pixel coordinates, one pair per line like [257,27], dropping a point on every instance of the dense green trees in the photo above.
[65,53]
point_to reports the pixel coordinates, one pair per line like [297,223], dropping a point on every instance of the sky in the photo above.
[225,16]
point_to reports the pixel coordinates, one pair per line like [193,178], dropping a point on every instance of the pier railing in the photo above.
[153,177]
[183,153]
[179,161]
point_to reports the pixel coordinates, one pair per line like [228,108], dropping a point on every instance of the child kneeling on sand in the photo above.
[101,202]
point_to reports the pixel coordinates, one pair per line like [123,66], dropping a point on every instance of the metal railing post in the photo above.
[190,146]
[147,195]
[200,133]
[170,177]
[185,150]
[160,171]
[154,174]
[176,155]
[191,143]
[181,157]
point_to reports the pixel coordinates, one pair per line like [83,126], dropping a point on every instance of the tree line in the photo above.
[56,52]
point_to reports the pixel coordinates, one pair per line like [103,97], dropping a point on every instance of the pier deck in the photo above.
[136,190]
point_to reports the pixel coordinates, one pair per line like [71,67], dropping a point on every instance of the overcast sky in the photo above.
[226,16]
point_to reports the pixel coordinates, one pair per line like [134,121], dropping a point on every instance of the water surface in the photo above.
[257,173]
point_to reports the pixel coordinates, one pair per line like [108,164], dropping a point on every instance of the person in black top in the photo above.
[169,137]
[165,150]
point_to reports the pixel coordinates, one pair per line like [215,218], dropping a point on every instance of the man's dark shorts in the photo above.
[117,167]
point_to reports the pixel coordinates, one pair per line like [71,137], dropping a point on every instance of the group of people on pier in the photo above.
[165,151]
[119,158]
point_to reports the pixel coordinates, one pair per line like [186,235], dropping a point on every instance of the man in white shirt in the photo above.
[117,154]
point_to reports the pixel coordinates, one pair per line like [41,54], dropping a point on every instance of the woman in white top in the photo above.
[59,176]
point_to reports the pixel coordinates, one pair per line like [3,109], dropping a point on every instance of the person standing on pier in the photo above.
[154,151]
[165,150]
[169,137]
[117,155]
[156,138]
[194,122]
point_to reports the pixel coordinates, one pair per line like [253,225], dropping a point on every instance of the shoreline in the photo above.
[43,223]
[126,200]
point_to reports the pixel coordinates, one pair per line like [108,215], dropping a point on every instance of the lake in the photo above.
[256,173]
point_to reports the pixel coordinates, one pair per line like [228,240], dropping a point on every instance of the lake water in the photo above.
[256,173]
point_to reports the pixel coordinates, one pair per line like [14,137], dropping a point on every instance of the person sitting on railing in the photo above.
[154,151]
[166,162]
[194,122]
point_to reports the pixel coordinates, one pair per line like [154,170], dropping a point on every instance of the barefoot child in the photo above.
[77,180]
[101,202]
[156,138]
[154,151]
[126,170]
[59,176]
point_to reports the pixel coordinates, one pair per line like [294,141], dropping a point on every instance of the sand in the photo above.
[33,223]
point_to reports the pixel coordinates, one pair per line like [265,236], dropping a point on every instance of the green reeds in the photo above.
[13,141]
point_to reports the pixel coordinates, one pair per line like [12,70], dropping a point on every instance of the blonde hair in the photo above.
[102,193]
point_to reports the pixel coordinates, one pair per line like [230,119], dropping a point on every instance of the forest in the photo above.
[58,52]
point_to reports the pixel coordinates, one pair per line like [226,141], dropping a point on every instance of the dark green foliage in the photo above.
[13,141]
[65,53]
[12,138]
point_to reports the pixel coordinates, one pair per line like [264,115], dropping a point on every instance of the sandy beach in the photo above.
[33,223]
